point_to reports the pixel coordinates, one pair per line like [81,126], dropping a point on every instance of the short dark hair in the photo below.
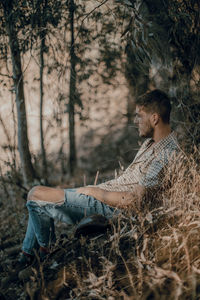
[156,101]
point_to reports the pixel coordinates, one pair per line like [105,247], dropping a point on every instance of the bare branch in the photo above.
[88,16]
[6,75]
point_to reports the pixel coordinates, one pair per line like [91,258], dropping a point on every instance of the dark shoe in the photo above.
[43,252]
[42,255]
[25,273]
[25,260]
[23,263]
[28,270]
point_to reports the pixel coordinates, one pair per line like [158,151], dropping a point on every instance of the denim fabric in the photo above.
[40,229]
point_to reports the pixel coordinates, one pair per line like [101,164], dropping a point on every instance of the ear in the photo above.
[155,119]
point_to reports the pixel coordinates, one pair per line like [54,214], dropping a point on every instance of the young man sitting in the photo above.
[125,192]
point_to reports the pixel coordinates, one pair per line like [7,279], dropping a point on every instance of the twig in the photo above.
[96,178]
[84,180]
[87,17]
[6,75]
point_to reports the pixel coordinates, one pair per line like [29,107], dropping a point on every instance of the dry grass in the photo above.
[155,257]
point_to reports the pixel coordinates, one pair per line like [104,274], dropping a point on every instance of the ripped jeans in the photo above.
[40,229]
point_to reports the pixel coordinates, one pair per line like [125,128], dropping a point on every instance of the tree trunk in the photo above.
[43,152]
[72,87]
[23,143]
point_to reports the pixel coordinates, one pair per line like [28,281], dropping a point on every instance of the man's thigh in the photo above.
[79,205]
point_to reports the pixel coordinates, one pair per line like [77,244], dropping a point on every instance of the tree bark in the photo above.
[72,87]
[43,152]
[23,143]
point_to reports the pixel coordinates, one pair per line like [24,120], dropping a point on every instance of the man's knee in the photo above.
[34,193]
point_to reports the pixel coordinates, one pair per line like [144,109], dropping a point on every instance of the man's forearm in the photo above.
[115,199]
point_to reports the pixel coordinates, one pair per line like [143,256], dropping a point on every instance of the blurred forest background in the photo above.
[70,71]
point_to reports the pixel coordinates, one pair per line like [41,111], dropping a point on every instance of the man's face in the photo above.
[143,121]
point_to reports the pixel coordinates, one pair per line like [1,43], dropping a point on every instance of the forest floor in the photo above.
[71,260]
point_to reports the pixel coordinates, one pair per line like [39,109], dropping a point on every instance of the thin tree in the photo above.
[10,14]
[72,92]
[43,13]
[43,152]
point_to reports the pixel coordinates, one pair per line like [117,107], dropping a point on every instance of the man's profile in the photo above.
[146,171]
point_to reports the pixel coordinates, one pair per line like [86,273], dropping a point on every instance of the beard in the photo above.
[147,132]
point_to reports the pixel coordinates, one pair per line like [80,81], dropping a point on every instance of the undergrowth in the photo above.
[155,256]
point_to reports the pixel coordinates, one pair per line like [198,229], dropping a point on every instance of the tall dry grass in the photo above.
[156,256]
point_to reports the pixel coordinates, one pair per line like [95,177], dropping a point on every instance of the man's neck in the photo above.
[161,132]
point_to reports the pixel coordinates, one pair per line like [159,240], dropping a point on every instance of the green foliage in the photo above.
[164,36]
[185,32]
[162,29]
[29,18]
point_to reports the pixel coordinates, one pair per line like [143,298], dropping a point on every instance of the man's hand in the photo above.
[86,190]
[93,191]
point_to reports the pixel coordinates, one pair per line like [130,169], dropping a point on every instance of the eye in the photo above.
[136,116]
